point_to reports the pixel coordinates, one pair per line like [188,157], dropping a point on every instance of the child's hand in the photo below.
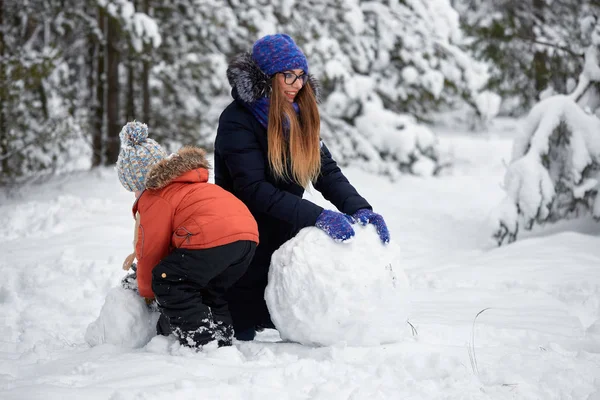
[128,261]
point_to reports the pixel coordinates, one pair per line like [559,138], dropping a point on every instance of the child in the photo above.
[194,239]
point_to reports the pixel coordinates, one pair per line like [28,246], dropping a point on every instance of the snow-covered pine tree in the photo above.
[38,87]
[378,60]
[188,73]
[391,60]
[555,169]
[360,73]
[532,46]
[51,80]
[587,91]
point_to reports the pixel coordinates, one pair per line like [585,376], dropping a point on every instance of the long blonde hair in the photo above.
[298,158]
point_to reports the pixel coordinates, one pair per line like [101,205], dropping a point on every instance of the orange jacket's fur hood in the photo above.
[165,171]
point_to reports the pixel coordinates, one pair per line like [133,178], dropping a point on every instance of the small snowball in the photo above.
[323,292]
[124,320]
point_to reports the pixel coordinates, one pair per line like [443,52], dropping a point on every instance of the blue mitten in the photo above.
[366,216]
[336,225]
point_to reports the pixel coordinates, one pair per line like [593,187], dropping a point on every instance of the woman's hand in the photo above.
[366,216]
[337,225]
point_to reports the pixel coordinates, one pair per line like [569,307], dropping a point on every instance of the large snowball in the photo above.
[124,320]
[324,292]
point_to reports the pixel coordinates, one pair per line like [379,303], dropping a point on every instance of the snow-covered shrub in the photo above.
[349,146]
[322,292]
[554,172]
[555,169]
[410,146]
[382,142]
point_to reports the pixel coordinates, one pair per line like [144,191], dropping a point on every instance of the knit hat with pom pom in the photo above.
[138,154]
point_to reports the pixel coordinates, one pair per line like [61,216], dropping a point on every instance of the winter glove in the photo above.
[129,282]
[366,216]
[336,225]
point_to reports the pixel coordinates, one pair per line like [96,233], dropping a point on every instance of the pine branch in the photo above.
[529,39]
[20,149]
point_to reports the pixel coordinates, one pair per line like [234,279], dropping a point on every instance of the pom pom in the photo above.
[134,133]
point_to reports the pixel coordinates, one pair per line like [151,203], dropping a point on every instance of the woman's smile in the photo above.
[290,83]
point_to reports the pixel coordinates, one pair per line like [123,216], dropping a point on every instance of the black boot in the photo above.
[224,334]
[129,281]
[162,326]
[246,335]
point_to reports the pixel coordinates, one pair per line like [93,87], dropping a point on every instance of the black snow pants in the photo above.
[190,287]
[246,297]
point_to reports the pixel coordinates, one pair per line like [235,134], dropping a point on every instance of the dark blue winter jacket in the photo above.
[242,167]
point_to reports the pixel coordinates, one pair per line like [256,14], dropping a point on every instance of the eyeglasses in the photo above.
[290,78]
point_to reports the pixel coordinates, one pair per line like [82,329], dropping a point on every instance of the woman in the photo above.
[267,151]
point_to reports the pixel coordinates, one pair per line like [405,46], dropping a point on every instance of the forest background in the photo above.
[72,72]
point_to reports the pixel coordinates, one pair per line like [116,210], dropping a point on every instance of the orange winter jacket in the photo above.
[180,209]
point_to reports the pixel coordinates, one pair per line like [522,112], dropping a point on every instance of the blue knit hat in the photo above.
[138,154]
[278,53]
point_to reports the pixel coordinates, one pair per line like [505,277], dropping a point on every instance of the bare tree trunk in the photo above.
[130,85]
[146,76]
[97,51]
[146,91]
[540,57]
[112,107]
[3,95]
[131,64]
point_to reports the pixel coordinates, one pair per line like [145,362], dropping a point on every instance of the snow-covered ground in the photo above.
[62,243]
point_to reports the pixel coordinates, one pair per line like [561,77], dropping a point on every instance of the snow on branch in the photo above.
[142,28]
[554,172]
[399,139]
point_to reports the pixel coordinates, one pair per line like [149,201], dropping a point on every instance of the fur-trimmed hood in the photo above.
[250,83]
[172,167]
